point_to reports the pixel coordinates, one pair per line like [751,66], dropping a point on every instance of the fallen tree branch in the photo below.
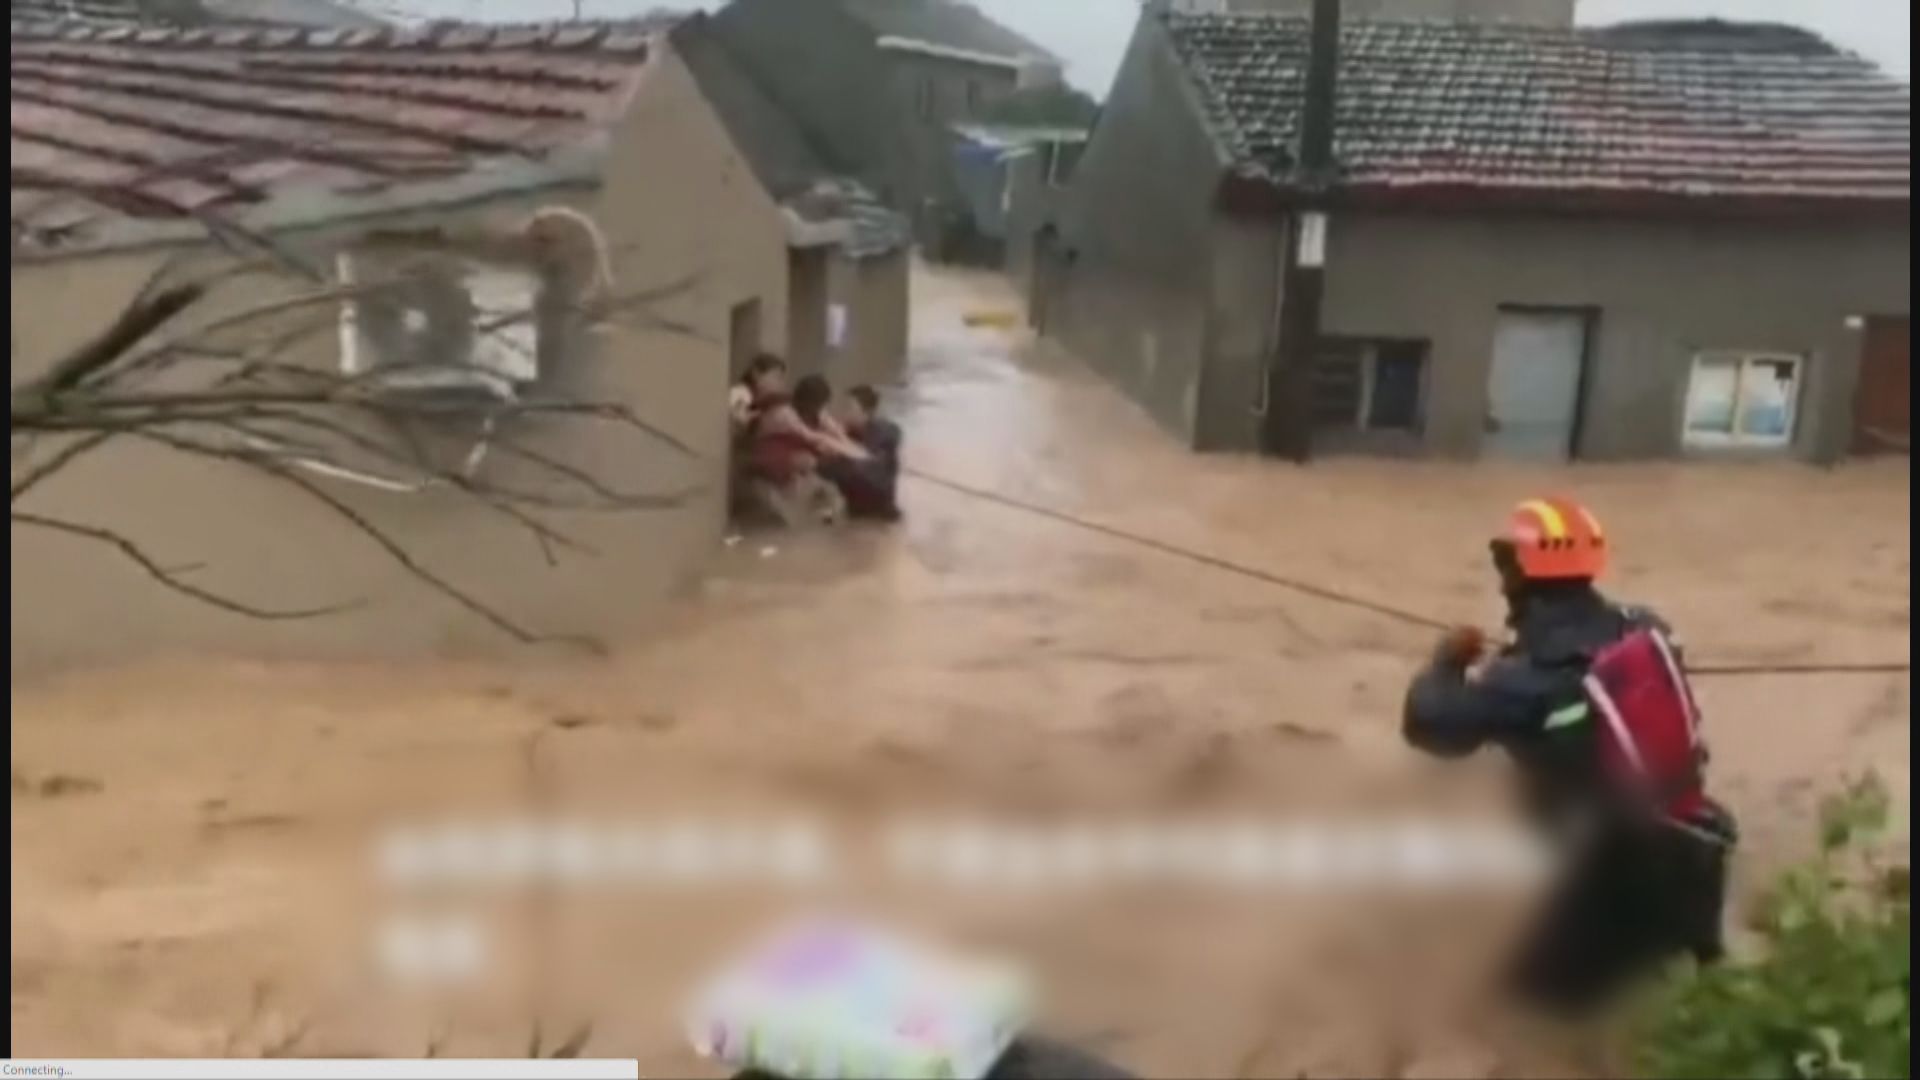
[359,522]
[60,460]
[133,324]
[232,392]
[546,534]
[165,576]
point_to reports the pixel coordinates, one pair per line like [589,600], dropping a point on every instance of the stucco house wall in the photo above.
[829,218]
[689,207]
[1137,238]
[953,90]
[1664,291]
[873,293]
[674,200]
[787,44]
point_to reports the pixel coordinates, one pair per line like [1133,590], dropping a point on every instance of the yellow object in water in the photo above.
[999,320]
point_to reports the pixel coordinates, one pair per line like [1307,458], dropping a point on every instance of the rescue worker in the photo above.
[1591,703]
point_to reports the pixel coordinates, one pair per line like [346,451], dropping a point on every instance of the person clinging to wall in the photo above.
[792,445]
[874,488]
[1592,703]
[760,387]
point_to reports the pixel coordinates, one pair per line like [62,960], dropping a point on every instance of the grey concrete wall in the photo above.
[856,100]
[823,66]
[688,204]
[675,199]
[949,80]
[1665,290]
[1137,232]
[874,294]
[806,352]
[1031,203]
[1534,12]
[1246,280]
[934,193]
[1034,202]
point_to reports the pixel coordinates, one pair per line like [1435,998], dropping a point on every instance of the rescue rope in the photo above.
[1345,599]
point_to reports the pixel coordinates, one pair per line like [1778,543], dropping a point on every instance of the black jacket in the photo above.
[1514,701]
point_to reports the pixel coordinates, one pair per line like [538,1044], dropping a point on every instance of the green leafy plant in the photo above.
[1829,995]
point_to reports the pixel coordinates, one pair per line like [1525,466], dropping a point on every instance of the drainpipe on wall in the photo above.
[1288,425]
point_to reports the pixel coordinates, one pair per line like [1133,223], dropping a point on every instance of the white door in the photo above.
[1533,391]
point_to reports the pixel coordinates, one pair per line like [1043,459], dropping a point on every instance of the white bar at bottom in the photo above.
[321,1069]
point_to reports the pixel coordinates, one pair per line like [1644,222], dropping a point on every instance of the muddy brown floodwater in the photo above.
[182,829]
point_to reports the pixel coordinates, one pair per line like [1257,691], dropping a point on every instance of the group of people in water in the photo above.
[804,459]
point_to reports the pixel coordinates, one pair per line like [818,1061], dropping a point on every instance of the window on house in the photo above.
[1368,384]
[1742,399]
[925,99]
[973,97]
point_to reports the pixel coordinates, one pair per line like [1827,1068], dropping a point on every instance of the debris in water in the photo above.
[53,787]
[997,320]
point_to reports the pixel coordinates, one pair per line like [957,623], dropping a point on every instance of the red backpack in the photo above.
[1649,730]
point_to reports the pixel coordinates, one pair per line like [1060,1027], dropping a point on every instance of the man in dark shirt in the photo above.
[873,492]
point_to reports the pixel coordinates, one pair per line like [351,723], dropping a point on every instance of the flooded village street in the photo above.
[178,826]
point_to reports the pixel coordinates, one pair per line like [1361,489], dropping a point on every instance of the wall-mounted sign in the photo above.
[1313,240]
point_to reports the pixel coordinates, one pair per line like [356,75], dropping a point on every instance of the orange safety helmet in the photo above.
[1555,539]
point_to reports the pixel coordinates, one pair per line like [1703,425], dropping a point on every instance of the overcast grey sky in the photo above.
[1090,34]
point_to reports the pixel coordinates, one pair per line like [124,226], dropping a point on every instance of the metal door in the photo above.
[1882,410]
[1533,391]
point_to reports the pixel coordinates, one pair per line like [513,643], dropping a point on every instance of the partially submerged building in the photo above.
[450,150]
[877,86]
[849,254]
[1541,242]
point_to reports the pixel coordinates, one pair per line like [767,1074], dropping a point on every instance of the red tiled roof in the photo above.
[165,122]
[1687,111]
[317,13]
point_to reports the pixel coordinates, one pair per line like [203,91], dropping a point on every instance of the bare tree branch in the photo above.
[134,323]
[60,460]
[606,497]
[546,534]
[236,237]
[233,394]
[165,576]
[394,550]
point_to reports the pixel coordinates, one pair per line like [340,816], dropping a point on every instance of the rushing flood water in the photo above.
[176,828]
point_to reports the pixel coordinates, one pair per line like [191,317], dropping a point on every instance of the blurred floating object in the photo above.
[840,1001]
[993,320]
[446,949]
[332,1069]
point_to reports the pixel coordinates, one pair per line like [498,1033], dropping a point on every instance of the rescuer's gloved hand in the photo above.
[1460,648]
